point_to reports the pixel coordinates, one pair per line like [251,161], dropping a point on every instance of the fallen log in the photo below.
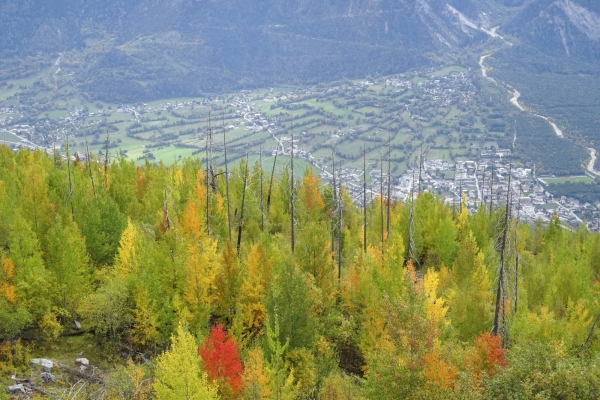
[79,373]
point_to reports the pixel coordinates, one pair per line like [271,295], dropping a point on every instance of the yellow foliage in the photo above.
[50,326]
[178,176]
[141,386]
[145,320]
[13,356]
[253,293]
[191,223]
[462,221]
[201,269]
[178,375]
[578,319]
[258,379]
[126,260]
[439,372]
[436,306]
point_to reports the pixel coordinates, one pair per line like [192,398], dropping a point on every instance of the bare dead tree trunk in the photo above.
[271,180]
[492,192]
[460,197]
[364,198]
[293,241]
[589,336]
[420,167]
[166,211]
[106,158]
[483,189]
[517,284]
[262,211]
[70,180]
[500,288]
[389,184]
[517,257]
[89,159]
[411,242]
[241,223]
[333,186]
[340,206]
[208,174]
[381,200]
[227,181]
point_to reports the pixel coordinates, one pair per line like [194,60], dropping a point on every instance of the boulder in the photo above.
[19,388]
[82,361]
[76,324]
[45,364]
[47,377]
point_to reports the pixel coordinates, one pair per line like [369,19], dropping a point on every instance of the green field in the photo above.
[8,137]
[572,179]
[340,117]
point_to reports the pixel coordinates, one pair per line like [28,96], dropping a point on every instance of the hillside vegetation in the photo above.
[276,293]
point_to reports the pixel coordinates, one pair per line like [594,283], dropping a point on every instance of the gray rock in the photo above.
[45,364]
[76,324]
[17,389]
[47,377]
[83,361]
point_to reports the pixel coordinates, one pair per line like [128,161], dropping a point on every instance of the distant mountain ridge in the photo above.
[562,28]
[182,47]
[165,48]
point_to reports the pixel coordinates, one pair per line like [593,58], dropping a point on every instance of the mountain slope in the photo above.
[562,28]
[182,47]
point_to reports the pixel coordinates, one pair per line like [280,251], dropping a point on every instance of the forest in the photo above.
[203,283]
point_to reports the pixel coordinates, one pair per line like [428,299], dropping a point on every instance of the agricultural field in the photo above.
[435,113]
[572,179]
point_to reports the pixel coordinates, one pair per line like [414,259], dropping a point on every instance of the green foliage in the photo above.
[289,298]
[386,328]
[545,370]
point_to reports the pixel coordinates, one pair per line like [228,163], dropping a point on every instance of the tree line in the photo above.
[247,282]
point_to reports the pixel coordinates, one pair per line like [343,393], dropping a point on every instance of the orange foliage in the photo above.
[7,272]
[487,356]
[192,225]
[311,198]
[439,372]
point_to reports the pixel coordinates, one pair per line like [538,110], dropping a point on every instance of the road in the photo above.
[590,167]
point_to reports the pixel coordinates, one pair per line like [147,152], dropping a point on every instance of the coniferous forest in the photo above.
[195,286]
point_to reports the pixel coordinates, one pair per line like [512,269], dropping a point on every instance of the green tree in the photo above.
[67,262]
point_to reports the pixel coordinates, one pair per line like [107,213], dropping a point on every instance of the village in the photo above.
[479,176]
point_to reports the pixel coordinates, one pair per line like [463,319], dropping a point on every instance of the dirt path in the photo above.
[590,167]
[484,68]
[515,99]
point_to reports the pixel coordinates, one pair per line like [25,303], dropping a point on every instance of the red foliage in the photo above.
[222,361]
[487,356]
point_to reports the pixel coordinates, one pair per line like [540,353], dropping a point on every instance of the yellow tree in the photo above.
[126,260]
[227,283]
[258,378]
[253,293]
[145,320]
[199,290]
[178,374]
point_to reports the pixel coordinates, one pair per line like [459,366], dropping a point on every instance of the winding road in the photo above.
[515,101]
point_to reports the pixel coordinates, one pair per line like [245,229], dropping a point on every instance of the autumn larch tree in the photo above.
[222,362]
